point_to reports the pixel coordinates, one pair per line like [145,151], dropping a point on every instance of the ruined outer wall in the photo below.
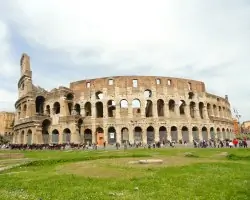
[6,123]
[215,110]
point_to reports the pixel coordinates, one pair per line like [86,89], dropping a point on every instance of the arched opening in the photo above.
[40,105]
[171,105]
[227,134]
[185,134]
[163,134]
[111,135]
[123,107]
[124,135]
[45,131]
[195,133]
[111,108]
[204,133]
[56,107]
[66,135]
[55,136]
[69,97]
[99,95]
[174,134]
[149,108]
[160,108]
[70,106]
[78,109]
[136,106]
[99,136]
[190,95]
[192,109]
[22,137]
[87,108]
[138,134]
[209,109]
[87,136]
[150,135]
[79,127]
[99,109]
[201,109]
[212,133]
[223,134]
[47,110]
[215,110]
[182,107]
[147,93]
[29,137]
[25,110]
[218,133]
[220,112]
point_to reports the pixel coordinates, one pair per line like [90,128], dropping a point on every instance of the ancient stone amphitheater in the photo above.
[118,109]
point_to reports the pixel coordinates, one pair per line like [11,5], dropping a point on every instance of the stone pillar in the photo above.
[105,109]
[187,111]
[166,111]
[144,135]
[39,137]
[131,135]
[117,110]
[205,113]
[155,111]
[157,134]
[94,133]
[143,109]
[93,110]
[179,134]
[25,138]
[169,133]
[177,110]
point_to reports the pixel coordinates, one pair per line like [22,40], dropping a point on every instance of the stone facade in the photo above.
[118,109]
[6,124]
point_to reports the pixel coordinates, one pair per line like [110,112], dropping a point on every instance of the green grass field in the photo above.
[78,175]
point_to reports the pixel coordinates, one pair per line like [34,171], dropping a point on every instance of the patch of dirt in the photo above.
[125,167]
[11,156]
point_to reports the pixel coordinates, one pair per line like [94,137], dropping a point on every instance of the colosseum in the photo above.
[117,109]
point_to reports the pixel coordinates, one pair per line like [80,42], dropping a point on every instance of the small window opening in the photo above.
[111,82]
[158,81]
[135,83]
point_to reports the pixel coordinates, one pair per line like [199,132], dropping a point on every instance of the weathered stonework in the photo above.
[6,124]
[118,109]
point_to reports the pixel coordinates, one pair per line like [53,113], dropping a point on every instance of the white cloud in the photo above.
[207,41]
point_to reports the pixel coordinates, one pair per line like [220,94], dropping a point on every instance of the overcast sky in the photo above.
[73,40]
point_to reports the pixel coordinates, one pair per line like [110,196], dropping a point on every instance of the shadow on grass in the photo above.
[237,157]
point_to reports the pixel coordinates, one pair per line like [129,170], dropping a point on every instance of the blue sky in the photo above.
[202,40]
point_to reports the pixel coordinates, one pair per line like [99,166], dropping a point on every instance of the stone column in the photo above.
[142,109]
[39,138]
[144,135]
[105,109]
[205,113]
[117,111]
[177,110]
[157,134]
[155,111]
[166,110]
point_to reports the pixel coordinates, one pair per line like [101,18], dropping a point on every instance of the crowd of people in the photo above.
[196,144]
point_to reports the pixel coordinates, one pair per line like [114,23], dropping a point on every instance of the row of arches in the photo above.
[162,108]
[114,135]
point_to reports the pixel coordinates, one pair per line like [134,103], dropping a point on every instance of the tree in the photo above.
[3,140]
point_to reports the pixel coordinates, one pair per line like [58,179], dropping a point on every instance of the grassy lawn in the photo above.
[78,175]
